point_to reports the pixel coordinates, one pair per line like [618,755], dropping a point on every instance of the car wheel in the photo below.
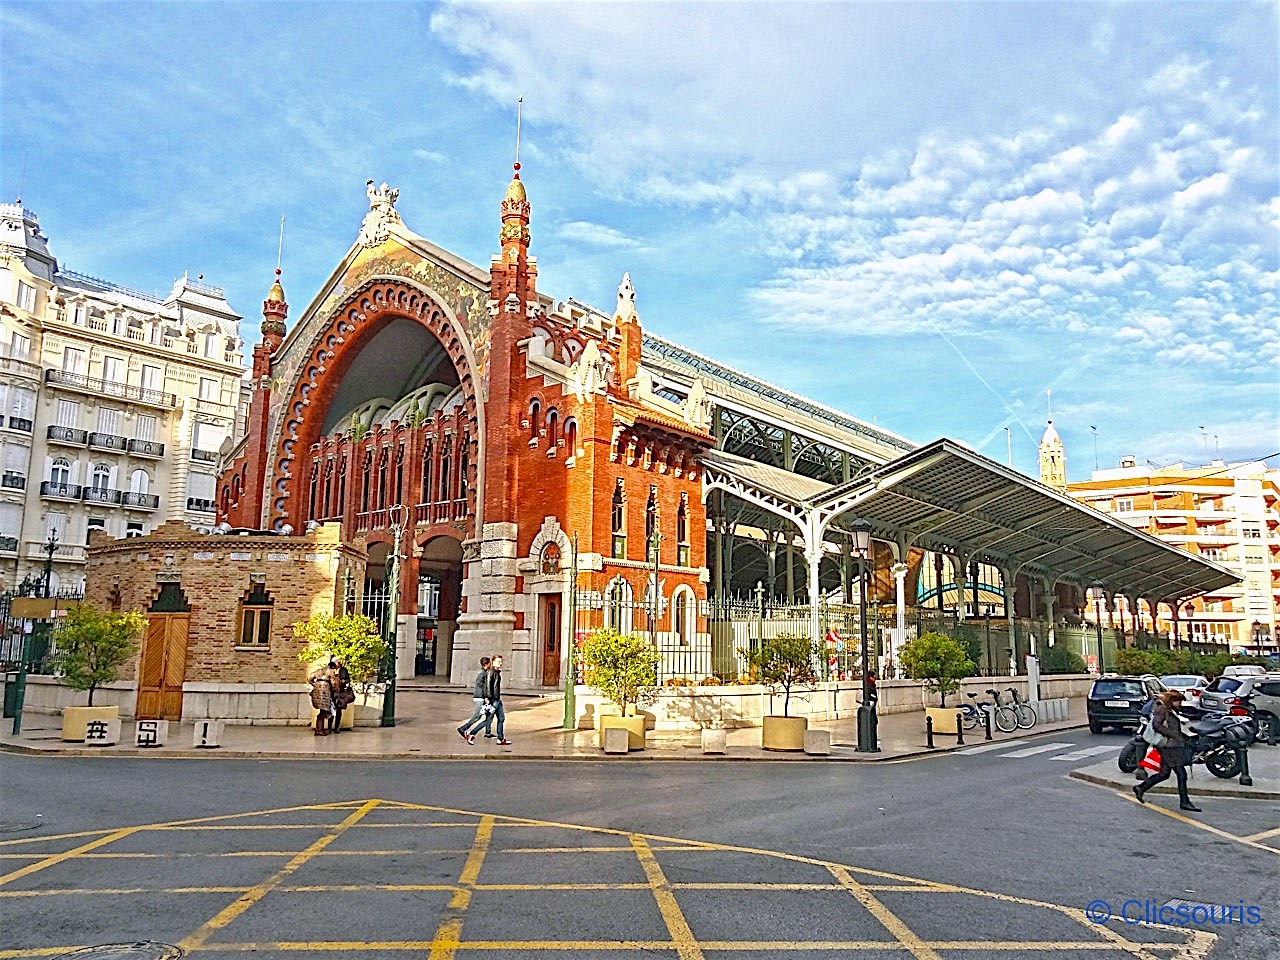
[1095,727]
[1268,728]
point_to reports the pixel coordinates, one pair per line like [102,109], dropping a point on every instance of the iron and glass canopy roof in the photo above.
[947,498]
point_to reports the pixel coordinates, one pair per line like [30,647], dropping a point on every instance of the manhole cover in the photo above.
[139,950]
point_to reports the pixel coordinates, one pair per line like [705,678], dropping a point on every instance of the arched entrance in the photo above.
[439,562]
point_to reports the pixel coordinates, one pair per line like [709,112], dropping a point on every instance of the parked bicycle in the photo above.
[1026,713]
[975,714]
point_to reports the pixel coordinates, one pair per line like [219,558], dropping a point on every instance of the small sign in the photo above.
[278,556]
[202,555]
[238,555]
[39,608]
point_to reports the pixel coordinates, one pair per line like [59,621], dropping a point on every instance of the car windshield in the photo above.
[1180,680]
[1130,689]
[1224,685]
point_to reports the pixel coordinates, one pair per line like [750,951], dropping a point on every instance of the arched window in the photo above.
[682,531]
[444,475]
[535,408]
[683,615]
[383,456]
[553,425]
[365,476]
[617,606]
[101,477]
[311,495]
[464,467]
[651,540]
[60,471]
[571,437]
[139,481]
[618,520]
[427,455]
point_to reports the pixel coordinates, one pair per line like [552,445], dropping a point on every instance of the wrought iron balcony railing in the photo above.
[146,448]
[8,544]
[99,495]
[147,501]
[60,491]
[202,506]
[68,435]
[14,481]
[109,388]
[108,441]
[21,423]
[208,456]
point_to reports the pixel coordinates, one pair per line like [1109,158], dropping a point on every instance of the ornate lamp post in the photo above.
[1187,611]
[1096,587]
[388,671]
[867,710]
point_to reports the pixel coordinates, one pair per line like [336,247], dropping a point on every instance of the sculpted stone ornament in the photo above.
[382,214]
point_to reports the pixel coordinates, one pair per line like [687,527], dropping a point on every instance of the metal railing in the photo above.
[20,367]
[147,501]
[8,544]
[207,456]
[108,441]
[99,495]
[21,423]
[14,481]
[60,491]
[146,448]
[201,505]
[109,388]
[67,435]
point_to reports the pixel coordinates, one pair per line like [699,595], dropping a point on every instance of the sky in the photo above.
[949,219]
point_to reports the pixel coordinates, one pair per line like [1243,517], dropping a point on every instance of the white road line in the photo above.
[1000,745]
[1031,751]
[1090,752]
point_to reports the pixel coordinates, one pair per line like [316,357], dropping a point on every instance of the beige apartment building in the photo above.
[114,405]
[1228,513]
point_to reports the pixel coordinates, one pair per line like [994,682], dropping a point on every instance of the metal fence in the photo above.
[14,630]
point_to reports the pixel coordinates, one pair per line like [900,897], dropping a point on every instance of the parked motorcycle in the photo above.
[1214,742]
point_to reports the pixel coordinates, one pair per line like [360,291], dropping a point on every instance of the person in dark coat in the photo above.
[482,713]
[343,693]
[322,700]
[1174,754]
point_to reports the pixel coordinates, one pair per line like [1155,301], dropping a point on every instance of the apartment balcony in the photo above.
[22,424]
[140,501]
[206,456]
[108,388]
[13,481]
[108,441]
[8,544]
[99,495]
[201,506]
[67,436]
[15,366]
[59,491]
[66,552]
[146,448]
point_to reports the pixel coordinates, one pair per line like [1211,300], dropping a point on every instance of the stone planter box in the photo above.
[783,733]
[75,719]
[634,726]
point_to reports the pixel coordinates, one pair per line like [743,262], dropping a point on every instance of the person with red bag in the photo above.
[1165,734]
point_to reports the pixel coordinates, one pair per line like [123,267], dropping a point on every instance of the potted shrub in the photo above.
[624,668]
[354,639]
[91,647]
[941,663]
[781,663]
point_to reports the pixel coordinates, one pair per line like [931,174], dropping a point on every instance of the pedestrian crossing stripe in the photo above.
[1088,752]
[1032,751]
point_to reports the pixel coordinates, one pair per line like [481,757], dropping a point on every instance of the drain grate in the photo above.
[139,950]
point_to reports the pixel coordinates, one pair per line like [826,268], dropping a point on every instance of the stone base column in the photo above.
[487,626]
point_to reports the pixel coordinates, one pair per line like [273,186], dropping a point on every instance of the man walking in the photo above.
[480,695]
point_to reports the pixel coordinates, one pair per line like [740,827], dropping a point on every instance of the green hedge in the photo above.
[1060,659]
[1162,662]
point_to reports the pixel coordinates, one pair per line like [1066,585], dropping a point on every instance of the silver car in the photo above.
[1190,685]
[1227,693]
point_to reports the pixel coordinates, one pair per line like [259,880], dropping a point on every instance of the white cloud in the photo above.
[593,234]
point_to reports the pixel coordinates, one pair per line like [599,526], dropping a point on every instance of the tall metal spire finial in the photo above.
[1048,399]
[280,248]
[519,110]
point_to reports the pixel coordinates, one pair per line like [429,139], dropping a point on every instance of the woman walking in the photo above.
[1174,751]
[322,700]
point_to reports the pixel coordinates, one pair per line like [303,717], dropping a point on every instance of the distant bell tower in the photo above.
[1053,460]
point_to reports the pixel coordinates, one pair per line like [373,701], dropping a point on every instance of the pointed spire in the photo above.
[274,311]
[1053,459]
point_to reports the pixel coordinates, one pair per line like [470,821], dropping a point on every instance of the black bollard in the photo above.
[959,729]
[986,714]
[1243,754]
[928,731]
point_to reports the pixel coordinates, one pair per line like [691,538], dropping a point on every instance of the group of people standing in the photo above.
[331,693]
[487,696]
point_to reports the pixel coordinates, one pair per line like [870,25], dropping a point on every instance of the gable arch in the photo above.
[333,351]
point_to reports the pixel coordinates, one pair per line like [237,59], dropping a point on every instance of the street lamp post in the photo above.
[1187,611]
[571,681]
[1097,616]
[393,616]
[866,710]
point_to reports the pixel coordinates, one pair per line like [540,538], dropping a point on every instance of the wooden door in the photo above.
[163,666]
[550,620]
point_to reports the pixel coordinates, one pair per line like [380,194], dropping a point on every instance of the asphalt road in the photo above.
[962,855]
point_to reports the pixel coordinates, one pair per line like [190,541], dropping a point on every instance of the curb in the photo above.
[1243,793]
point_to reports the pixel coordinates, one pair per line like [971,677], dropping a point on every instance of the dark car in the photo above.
[1118,701]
